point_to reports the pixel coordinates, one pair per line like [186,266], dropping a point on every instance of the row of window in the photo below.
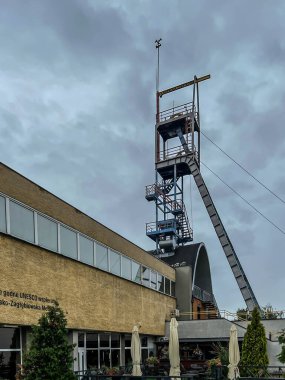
[108,340]
[104,349]
[27,224]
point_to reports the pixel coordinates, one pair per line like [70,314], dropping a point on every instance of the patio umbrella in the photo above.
[234,355]
[136,352]
[173,350]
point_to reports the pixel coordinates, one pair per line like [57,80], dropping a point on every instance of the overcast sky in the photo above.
[77,113]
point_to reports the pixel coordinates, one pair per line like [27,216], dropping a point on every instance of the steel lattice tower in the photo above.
[177,154]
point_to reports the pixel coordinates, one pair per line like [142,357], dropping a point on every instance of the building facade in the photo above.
[51,251]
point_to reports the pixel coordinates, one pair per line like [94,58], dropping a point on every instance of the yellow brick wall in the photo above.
[16,186]
[93,299]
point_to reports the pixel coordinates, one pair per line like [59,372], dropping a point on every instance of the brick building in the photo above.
[49,251]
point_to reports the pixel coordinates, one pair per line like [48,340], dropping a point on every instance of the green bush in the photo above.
[50,355]
[281,340]
[254,359]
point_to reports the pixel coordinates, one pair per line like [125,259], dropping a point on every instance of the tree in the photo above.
[254,357]
[50,355]
[243,314]
[269,313]
[281,340]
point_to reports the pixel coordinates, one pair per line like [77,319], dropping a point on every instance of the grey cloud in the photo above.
[77,85]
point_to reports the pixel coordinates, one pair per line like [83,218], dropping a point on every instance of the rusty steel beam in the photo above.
[186,84]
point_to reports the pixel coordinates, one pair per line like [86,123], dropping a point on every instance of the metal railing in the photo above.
[246,315]
[203,295]
[176,151]
[205,372]
[174,112]
[160,226]
[151,189]
[196,315]
[219,313]
[257,372]
[156,191]
[172,152]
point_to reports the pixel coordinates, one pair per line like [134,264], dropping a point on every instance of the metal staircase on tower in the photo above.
[177,154]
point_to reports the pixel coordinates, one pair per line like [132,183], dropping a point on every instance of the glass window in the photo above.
[104,340]
[92,340]
[2,215]
[128,358]
[86,250]
[47,233]
[68,242]
[115,263]
[173,288]
[101,257]
[160,283]
[92,360]
[115,358]
[144,354]
[105,356]
[115,340]
[9,362]
[145,276]
[167,286]
[136,272]
[81,339]
[9,338]
[126,268]
[128,340]
[22,222]
[153,280]
[144,341]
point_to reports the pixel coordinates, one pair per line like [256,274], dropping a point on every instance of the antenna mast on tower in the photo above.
[157,46]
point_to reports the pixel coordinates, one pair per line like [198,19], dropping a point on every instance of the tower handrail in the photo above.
[203,295]
[172,204]
[219,314]
[156,226]
[177,111]
[175,151]
[186,230]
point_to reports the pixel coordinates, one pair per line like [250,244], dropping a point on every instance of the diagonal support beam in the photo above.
[223,237]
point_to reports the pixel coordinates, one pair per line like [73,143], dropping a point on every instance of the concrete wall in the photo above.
[183,289]
[31,277]
[209,329]
[272,327]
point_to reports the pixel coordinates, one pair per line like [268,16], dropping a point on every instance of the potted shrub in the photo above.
[152,361]
[112,371]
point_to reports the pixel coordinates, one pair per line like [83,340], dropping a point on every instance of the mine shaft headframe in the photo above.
[195,81]
[195,105]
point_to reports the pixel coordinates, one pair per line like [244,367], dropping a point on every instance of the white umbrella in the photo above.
[173,350]
[136,352]
[234,355]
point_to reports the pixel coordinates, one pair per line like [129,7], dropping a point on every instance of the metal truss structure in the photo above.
[177,154]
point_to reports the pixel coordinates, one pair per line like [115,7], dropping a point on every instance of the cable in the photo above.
[244,169]
[245,200]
